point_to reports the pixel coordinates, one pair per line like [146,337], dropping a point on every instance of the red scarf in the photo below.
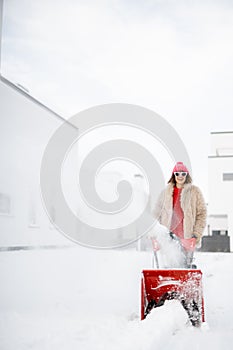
[178,214]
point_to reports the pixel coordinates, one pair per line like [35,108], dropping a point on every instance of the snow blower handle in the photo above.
[155,246]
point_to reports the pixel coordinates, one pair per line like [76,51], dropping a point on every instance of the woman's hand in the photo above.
[189,244]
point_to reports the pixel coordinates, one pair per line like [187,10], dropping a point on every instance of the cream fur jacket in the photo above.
[192,204]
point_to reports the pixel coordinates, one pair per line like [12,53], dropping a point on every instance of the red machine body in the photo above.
[185,285]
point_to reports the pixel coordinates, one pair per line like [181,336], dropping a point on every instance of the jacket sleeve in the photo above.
[157,210]
[201,213]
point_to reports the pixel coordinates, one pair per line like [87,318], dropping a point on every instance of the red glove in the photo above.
[188,244]
[155,244]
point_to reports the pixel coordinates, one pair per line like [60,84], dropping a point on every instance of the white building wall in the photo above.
[25,129]
[220,162]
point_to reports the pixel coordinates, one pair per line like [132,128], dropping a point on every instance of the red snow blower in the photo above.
[183,284]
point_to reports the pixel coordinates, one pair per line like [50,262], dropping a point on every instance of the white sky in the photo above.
[174,57]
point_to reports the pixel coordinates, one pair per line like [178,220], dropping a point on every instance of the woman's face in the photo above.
[180,177]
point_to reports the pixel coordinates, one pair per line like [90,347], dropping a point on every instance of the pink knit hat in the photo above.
[180,167]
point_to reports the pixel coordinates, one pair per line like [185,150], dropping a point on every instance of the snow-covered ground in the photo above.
[80,298]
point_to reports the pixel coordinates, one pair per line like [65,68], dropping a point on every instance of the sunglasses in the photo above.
[180,173]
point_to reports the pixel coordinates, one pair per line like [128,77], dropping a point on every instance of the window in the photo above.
[5,204]
[219,232]
[216,233]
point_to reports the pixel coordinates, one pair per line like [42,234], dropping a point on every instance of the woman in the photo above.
[181,207]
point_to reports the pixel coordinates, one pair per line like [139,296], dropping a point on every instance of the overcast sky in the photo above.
[174,57]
